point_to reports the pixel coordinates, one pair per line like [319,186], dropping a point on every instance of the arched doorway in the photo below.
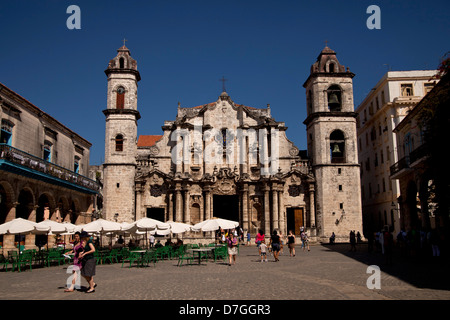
[23,210]
[6,203]
[63,208]
[226,207]
[25,204]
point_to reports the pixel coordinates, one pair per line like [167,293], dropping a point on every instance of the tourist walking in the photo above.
[275,242]
[259,237]
[76,250]
[281,242]
[232,248]
[152,241]
[248,238]
[88,261]
[263,251]
[305,240]
[291,243]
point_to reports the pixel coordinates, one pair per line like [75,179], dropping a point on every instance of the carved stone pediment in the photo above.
[225,181]
[225,187]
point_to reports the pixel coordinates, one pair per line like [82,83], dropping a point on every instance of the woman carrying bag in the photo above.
[88,261]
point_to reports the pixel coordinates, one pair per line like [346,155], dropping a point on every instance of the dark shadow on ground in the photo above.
[420,270]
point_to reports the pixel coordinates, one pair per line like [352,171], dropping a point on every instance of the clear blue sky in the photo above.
[264,49]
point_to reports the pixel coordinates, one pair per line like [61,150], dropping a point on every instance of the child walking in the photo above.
[263,251]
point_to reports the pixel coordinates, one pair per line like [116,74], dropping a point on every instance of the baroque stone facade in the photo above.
[223,159]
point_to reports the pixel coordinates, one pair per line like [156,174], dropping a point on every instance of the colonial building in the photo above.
[387,104]
[414,170]
[229,160]
[43,167]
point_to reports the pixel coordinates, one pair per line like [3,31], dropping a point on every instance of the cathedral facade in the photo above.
[224,159]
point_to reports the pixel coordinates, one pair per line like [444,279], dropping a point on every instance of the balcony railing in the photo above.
[403,163]
[27,160]
[408,162]
[418,153]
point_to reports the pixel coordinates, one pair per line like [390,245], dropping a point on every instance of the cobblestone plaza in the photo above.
[324,273]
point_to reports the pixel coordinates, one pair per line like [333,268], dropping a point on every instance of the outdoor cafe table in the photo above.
[142,252]
[200,250]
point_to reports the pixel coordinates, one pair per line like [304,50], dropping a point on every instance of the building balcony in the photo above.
[410,162]
[418,155]
[400,168]
[23,163]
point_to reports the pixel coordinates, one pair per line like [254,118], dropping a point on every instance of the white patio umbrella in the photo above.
[71,228]
[214,224]
[50,227]
[101,226]
[160,232]
[147,224]
[18,226]
[179,227]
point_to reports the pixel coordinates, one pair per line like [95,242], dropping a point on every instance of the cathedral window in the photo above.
[119,142]
[121,63]
[334,98]
[224,137]
[120,101]
[337,146]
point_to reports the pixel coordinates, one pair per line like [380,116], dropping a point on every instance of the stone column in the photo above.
[30,239]
[245,220]
[264,155]
[170,208]
[275,222]
[8,239]
[211,206]
[312,211]
[178,158]
[266,211]
[186,152]
[207,204]
[281,212]
[178,205]
[139,214]
[187,216]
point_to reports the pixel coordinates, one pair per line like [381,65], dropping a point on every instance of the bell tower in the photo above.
[121,115]
[332,147]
